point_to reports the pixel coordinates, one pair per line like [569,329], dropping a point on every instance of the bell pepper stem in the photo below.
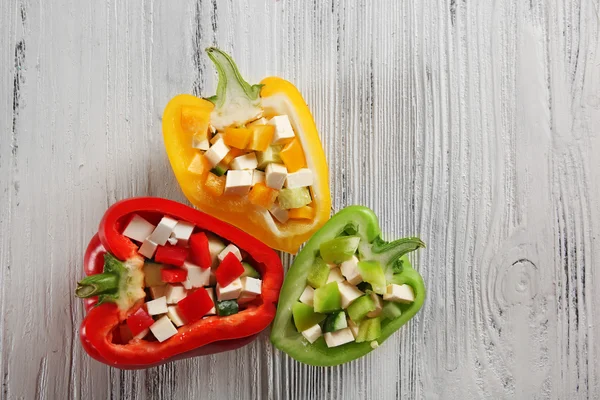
[98,284]
[396,249]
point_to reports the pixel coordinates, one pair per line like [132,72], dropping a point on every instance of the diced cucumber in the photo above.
[293,198]
[227,307]
[219,170]
[327,298]
[369,329]
[319,272]
[305,316]
[365,287]
[391,310]
[271,155]
[340,249]
[360,307]
[250,271]
[372,273]
[152,275]
[335,322]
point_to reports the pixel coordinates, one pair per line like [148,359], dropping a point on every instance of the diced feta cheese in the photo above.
[247,161]
[142,334]
[215,246]
[211,294]
[196,277]
[258,176]
[217,152]
[196,166]
[307,296]
[283,129]
[148,248]
[175,293]
[335,275]
[172,240]
[175,316]
[251,286]
[200,144]
[260,121]
[350,271]
[312,333]
[238,182]
[378,306]
[280,214]
[157,306]
[231,248]
[349,293]
[338,338]
[275,175]
[182,232]
[163,329]
[301,178]
[216,138]
[158,291]
[231,291]
[138,229]
[353,327]
[163,231]
[399,293]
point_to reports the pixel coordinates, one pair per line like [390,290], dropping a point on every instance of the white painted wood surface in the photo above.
[474,124]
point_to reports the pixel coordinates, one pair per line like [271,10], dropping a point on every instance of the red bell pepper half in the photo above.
[110,251]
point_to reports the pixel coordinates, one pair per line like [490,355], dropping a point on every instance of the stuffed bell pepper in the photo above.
[165,281]
[346,292]
[251,156]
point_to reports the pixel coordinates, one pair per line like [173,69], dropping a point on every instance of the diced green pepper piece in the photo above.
[371,272]
[335,322]
[219,170]
[339,249]
[319,272]
[369,329]
[327,298]
[305,316]
[360,307]
[294,198]
[152,276]
[271,155]
[250,271]
[391,310]
[227,307]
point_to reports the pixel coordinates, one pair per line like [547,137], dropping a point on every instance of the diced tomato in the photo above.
[200,255]
[173,275]
[229,270]
[173,255]
[138,321]
[195,305]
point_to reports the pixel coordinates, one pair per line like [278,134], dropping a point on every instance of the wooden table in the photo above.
[473,124]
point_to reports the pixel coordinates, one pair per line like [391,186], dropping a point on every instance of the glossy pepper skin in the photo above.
[276,96]
[207,336]
[356,220]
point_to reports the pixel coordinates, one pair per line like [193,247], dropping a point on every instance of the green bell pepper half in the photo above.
[362,222]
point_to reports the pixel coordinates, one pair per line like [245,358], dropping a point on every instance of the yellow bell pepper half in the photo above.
[275,96]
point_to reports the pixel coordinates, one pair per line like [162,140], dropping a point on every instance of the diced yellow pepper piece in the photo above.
[233,153]
[195,120]
[262,135]
[214,185]
[237,137]
[263,196]
[293,156]
[306,212]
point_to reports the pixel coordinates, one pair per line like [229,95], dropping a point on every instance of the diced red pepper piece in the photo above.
[173,275]
[200,254]
[229,270]
[195,305]
[138,321]
[172,255]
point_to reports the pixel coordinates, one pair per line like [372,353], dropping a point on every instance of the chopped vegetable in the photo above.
[214,185]
[305,316]
[371,272]
[306,212]
[335,322]
[268,156]
[294,198]
[262,196]
[340,249]
[250,271]
[369,329]
[229,270]
[327,298]
[152,275]
[237,137]
[139,321]
[196,305]
[227,307]
[200,250]
[391,310]
[172,255]
[173,275]
[262,135]
[360,307]
[319,272]
[292,156]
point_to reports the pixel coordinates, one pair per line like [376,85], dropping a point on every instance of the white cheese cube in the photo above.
[200,143]
[216,138]
[157,306]
[158,291]
[283,129]
[353,327]
[312,333]
[335,275]
[378,306]
[163,329]
[238,182]
[338,338]
[231,248]
[258,177]
[196,277]
[182,232]
[247,161]
[138,229]
[175,316]
[349,293]
[399,293]
[280,214]
[148,248]
[142,334]
[175,293]
[215,246]
[196,166]
[250,286]
[231,291]
[260,121]
[172,240]
[275,175]
[301,178]
[163,231]
[307,296]
[217,152]
[211,294]
[350,271]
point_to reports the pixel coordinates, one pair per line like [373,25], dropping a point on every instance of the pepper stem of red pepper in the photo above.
[98,284]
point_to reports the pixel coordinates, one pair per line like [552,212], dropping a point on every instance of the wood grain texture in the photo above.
[474,124]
